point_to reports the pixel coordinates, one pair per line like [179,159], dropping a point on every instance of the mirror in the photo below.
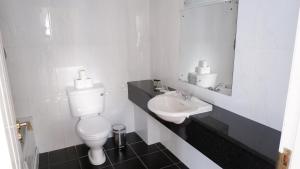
[208,33]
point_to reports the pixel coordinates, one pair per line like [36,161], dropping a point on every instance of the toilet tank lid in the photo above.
[98,87]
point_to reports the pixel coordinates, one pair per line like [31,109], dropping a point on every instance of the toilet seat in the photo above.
[94,128]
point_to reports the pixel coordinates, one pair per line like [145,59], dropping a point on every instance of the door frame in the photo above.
[11,151]
[290,135]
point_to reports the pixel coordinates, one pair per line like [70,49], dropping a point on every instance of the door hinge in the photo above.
[284,159]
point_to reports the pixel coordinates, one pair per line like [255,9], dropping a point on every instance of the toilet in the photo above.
[87,103]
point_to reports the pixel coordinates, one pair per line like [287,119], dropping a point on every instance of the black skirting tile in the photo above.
[142,148]
[130,164]
[117,156]
[82,150]
[62,155]
[43,160]
[156,160]
[85,164]
[66,165]
[44,167]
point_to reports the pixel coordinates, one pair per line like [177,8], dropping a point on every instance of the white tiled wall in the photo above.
[47,41]
[265,40]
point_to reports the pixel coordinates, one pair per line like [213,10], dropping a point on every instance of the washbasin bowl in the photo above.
[172,107]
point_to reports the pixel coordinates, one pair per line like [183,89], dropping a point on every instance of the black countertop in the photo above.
[230,140]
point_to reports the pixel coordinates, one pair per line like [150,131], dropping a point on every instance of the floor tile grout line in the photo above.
[162,151]
[173,162]
[83,156]
[56,163]
[156,144]
[111,164]
[130,145]
[178,165]
[170,166]
[135,142]
[126,144]
[77,154]
[156,151]
[80,165]
[167,155]
[124,161]
[150,153]
[64,161]
[138,157]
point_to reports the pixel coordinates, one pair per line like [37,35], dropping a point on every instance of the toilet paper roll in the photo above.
[202,70]
[82,74]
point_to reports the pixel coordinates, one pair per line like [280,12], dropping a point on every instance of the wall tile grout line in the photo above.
[138,157]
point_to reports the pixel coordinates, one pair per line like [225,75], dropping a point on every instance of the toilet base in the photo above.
[96,156]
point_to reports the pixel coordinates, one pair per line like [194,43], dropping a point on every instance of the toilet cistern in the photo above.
[86,101]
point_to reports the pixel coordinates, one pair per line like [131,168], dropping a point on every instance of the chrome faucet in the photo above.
[217,87]
[185,95]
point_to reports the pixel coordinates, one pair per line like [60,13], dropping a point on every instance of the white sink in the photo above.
[174,108]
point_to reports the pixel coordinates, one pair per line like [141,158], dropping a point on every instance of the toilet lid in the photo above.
[93,128]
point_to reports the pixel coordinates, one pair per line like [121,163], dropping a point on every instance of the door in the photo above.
[290,137]
[11,152]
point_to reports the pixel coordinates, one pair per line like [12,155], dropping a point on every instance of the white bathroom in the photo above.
[149,84]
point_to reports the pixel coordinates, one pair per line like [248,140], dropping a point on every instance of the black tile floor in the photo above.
[136,155]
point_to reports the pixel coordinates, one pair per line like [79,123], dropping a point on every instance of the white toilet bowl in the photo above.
[87,103]
[94,132]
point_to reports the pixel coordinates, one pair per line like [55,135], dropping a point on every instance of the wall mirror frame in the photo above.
[207,44]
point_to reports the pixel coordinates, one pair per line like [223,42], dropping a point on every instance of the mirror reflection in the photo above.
[208,35]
